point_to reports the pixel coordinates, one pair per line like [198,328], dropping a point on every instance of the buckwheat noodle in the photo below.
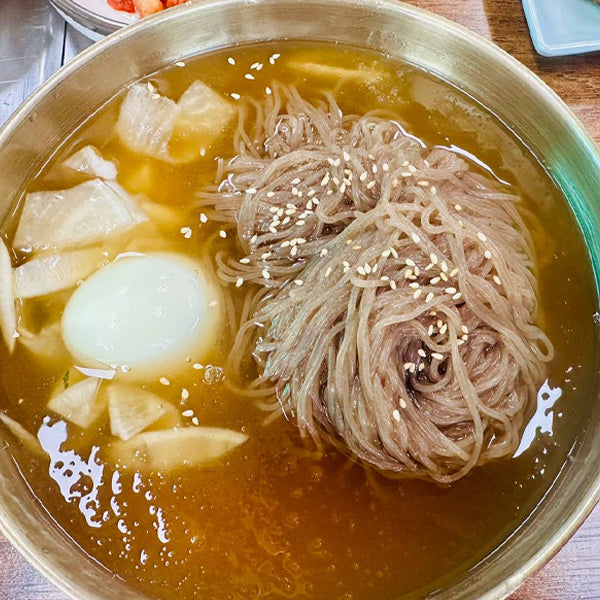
[391,299]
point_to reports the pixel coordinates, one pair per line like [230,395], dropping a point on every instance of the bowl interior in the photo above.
[525,105]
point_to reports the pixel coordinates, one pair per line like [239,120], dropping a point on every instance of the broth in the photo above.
[277,518]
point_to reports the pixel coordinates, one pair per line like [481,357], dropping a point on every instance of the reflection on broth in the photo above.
[151,449]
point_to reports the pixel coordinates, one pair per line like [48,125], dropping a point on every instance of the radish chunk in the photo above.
[146,121]
[175,448]
[55,272]
[155,126]
[204,116]
[81,215]
[27,439]
[133,409]
[8,314]
[90,162]
[47,345]
[340,75]
[80,402]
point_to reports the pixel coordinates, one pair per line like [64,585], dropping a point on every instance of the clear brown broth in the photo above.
[275,518]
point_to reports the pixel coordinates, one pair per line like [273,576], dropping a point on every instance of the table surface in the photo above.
[41,42]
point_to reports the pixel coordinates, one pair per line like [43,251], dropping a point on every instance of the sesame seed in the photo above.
[203,218]
[187,232]
[164,381]
[487,254]
[356,247]
[385,167]
[346,156]
[434,281]
[384,278]
[417,293]
[433,190]
[361,270]
[405,163]
[300,223]
[421,352]
[414,285]
[239,282]
[437,355]
[231,60]
[298,282]
[195,421]
[433,258]
[410,262]
[429,266]
[363,176]
[415,237]
[457,296]
[367,268]
[429,297]
[254,238]
[393,284]
[430,330]
[212,303]
[245,261]
[223,233]
[187,413]
[396,414]
[454,272]
[439,323]
[395,183]
[323,252]
[464,338]
[464,329]
[443,328]
[402,403]
[497,280]
[180,63]
[451,290]
[408,365]
[374,168]
[325,179]
[268,91]
[249,76]
[481,236]
[197,366]
[386,253]
[406,174]
[235,95]
[423,183]
[444,276]
[184,394]
[265,255]
[294,251]
[444,266]
[251,191]
[371,185]
[412,168]
[265,273]
[270,194]
[328,272]
[458,207]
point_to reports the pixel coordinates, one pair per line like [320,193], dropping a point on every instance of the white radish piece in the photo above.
[175,448]
[155,126]
[89,161]
[81,215]
[205,115]
[8,314]
[132,409]
[55,272]
[146,121]
[25,437]
[47,345]
[80,403]
[363,74]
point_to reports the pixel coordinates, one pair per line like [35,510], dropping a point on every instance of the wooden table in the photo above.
[574,574]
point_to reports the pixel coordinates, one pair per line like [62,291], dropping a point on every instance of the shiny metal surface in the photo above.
[29,53]
[518,98]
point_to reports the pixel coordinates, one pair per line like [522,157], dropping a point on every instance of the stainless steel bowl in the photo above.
[533,112]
